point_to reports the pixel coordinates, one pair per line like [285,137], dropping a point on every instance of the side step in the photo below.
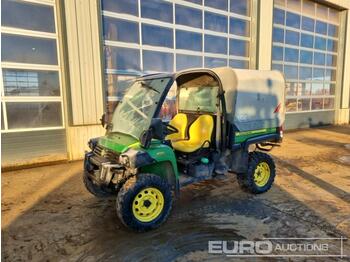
[185,180]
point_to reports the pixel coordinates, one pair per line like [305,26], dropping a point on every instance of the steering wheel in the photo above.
[171,129]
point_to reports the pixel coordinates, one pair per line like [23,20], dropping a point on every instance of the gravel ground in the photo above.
[47,215]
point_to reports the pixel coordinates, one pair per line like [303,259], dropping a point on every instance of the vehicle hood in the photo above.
[117,142]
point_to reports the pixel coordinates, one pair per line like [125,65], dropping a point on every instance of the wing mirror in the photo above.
[146,138]
[156,130]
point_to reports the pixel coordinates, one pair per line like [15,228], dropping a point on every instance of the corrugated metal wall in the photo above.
[78,138]
[84,61]
[85,90]
[264,39]
[344,112]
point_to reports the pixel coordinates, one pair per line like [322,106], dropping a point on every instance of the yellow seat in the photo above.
[199,135]
[180,122]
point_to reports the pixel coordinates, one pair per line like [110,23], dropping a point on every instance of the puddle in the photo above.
[242,225]
[168,243]
[186,233]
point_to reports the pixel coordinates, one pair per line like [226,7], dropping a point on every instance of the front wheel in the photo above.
[260,175]
[144,202]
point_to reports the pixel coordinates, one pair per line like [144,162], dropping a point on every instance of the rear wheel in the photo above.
[144,202]
[260,175]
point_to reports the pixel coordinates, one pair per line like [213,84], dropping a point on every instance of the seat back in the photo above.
[201,130]
[180,122]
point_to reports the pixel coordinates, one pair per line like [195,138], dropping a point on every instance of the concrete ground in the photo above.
[47,215]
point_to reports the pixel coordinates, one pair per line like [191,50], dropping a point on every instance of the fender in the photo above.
[256,140]
[136,158]
[158,159]
[259,139]
[240,154]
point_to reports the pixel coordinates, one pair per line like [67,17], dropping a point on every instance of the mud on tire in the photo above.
[246,180]
[131,189]
[94,189]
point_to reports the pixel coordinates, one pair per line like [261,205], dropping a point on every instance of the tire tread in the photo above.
[246,181]
[126,195]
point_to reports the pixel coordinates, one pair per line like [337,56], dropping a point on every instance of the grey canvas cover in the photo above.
[254,98]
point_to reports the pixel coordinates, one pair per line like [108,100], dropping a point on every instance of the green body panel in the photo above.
[243,136]
[162,169]
[117,142]
[163,154]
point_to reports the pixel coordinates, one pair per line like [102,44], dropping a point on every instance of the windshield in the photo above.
[135,112]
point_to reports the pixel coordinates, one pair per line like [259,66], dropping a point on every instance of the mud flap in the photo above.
[240,158]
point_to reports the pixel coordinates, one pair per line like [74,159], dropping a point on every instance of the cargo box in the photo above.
[254,99]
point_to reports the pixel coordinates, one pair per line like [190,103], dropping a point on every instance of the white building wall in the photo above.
[265,17]
[343,113]
[85,104]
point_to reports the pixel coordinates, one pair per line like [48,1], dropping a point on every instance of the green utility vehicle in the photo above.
[224,121]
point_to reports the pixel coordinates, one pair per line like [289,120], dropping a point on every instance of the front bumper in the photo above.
[99,169]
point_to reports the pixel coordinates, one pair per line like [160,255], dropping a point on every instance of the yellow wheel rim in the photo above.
[262,174]
[148,204]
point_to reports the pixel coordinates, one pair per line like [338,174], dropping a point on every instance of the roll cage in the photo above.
[179,78]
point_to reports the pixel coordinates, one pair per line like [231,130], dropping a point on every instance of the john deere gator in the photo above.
[224,120]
